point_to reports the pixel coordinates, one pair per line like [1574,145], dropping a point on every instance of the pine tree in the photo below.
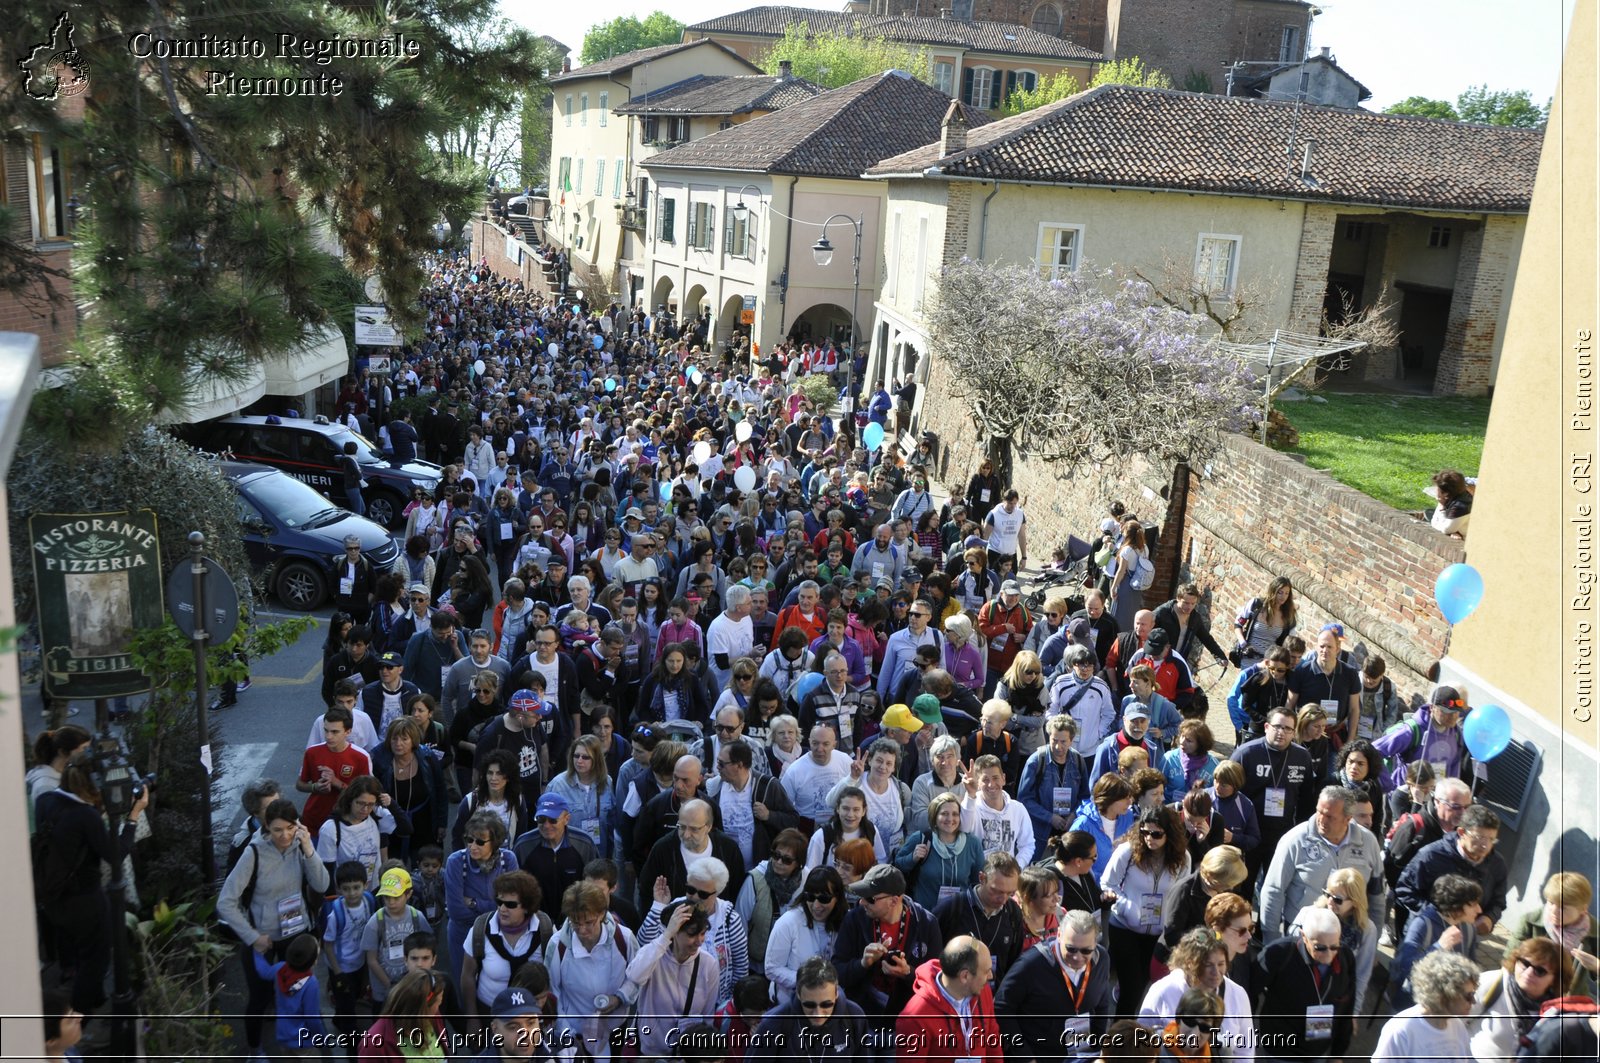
[205,204]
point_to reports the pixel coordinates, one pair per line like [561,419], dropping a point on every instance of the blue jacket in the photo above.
[1089,820]
[469,892]
[1238,815]
[1041,775]
[1444,858]
[935,871]
[299,1012]
[1172,767]
[1105,755]
[1422,937]
[1163,717]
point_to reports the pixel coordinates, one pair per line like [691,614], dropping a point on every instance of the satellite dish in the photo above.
[374,288]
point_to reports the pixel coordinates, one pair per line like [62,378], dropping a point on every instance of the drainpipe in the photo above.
[620,273]
[983,221]
[783,278]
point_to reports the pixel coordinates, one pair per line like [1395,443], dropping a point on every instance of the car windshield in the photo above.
[296,504]
[366,452]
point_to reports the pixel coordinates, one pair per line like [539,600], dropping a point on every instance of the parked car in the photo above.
[309,450]
[292,534]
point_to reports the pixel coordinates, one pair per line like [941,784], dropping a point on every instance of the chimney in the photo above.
[785,70]
[1305,160]
[1325,54]
[566,64]
[953,131]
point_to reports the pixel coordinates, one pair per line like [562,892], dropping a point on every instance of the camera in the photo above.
[120,786]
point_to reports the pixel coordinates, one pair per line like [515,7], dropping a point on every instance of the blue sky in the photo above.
[1397,48]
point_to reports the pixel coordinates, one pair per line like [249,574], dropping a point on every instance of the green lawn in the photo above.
[1390,446]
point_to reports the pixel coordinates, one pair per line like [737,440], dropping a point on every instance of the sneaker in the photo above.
[244,684]
[219,704]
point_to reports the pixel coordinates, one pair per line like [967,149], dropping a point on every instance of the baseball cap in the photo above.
[417,588]
[1136,711]
[1081,632]
[634,513]
[514,1002]
[901,717]
[394,883]
[926,708]
[1010,586]
[1448,698]
[391,659]
[1157,641]
[879,879]
[551,806]
[524,700]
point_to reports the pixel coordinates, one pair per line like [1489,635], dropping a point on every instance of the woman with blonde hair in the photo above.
[1564,919]
[586,787]
[964,653]
[1222,870]
[1023,688]
[1345,895]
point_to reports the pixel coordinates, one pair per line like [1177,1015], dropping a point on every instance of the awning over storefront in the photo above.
[323,358]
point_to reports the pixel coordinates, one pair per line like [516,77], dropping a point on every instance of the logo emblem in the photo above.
[55,68]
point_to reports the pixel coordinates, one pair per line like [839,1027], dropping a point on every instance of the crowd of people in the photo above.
[688,725]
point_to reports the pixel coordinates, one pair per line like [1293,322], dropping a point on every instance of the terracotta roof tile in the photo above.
[837,134]
[1150,138]
[713,94]
[1002,38]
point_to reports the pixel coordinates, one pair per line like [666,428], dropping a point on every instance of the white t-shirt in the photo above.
[362,736]
[807,783]
[1410,1038]
[1007,526]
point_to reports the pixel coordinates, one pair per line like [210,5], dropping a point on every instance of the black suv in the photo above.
[309,450]
[292,535]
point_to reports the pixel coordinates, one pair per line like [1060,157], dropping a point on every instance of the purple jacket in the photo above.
[966,665]
[1397,745]
[853,657]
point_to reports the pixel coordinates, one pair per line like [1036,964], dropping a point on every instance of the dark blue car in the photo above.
[292,534]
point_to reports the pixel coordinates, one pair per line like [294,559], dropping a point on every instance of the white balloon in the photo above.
[742,432]
[477,367]
[702,451]
[744,478]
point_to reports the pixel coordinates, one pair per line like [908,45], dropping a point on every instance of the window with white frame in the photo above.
[1439,237]
[891,283]
[739,234]
[599,177]
[918,281]
[944,77]
[666,219]
[605,106]
[1060,247]
[583,108]
[566,108]
[1216,263]
[577,178]
[616,182]
[702,226]
[979,88]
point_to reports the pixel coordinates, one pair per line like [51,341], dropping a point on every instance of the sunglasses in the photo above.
[1073,950]
[481,841]
[698,894]
[818,1005]
[501,902]
[1152,833]
[1334,898]
[1321,949]
[728,729]
[1537,969]
[817,898]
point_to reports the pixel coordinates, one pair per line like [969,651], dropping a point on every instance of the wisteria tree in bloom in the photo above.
[1086,369]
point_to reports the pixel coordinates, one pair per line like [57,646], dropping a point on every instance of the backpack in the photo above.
[1410,724]
[561,946]
[315,903]
[481,940]
[1395,860]
[334,911]
[1143,573]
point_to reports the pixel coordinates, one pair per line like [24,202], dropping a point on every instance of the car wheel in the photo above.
[384,507]
[300,586]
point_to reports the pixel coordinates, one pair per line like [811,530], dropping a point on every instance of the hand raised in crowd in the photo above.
[661,891]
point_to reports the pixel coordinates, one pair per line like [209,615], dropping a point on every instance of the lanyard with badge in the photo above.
[1319,1016]
[1276,798]
[1077,1023]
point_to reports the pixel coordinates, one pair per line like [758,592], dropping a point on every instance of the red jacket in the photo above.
[815,628]
[929,1028]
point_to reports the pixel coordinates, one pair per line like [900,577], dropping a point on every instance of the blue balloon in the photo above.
[599,342]
[611,385]
[1458,591]
[666,491]
[807,683]
[1487,731]
[872,437]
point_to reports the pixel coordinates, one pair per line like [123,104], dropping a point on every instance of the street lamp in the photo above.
[822,253]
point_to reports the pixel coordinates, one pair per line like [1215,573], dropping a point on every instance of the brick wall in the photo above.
[957,222]
[1311,267]
[1480,290]
[1248,516]
[489,242]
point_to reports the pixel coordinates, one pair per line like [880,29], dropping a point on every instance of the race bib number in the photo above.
[1276,799]
[1319,1022]
[948,891]
[291,915]
[1061,800]
[347,586]
[878,570]
[1331,707]
[983,495]
[591,827]
[506,531]
[1150,909]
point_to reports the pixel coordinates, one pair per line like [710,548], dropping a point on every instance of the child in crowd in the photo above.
[435,743]
[577,631]
[422,954]
[1164,718]
[296,995]
[345,919]
[1381,707]
[427,884]
[385,935]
